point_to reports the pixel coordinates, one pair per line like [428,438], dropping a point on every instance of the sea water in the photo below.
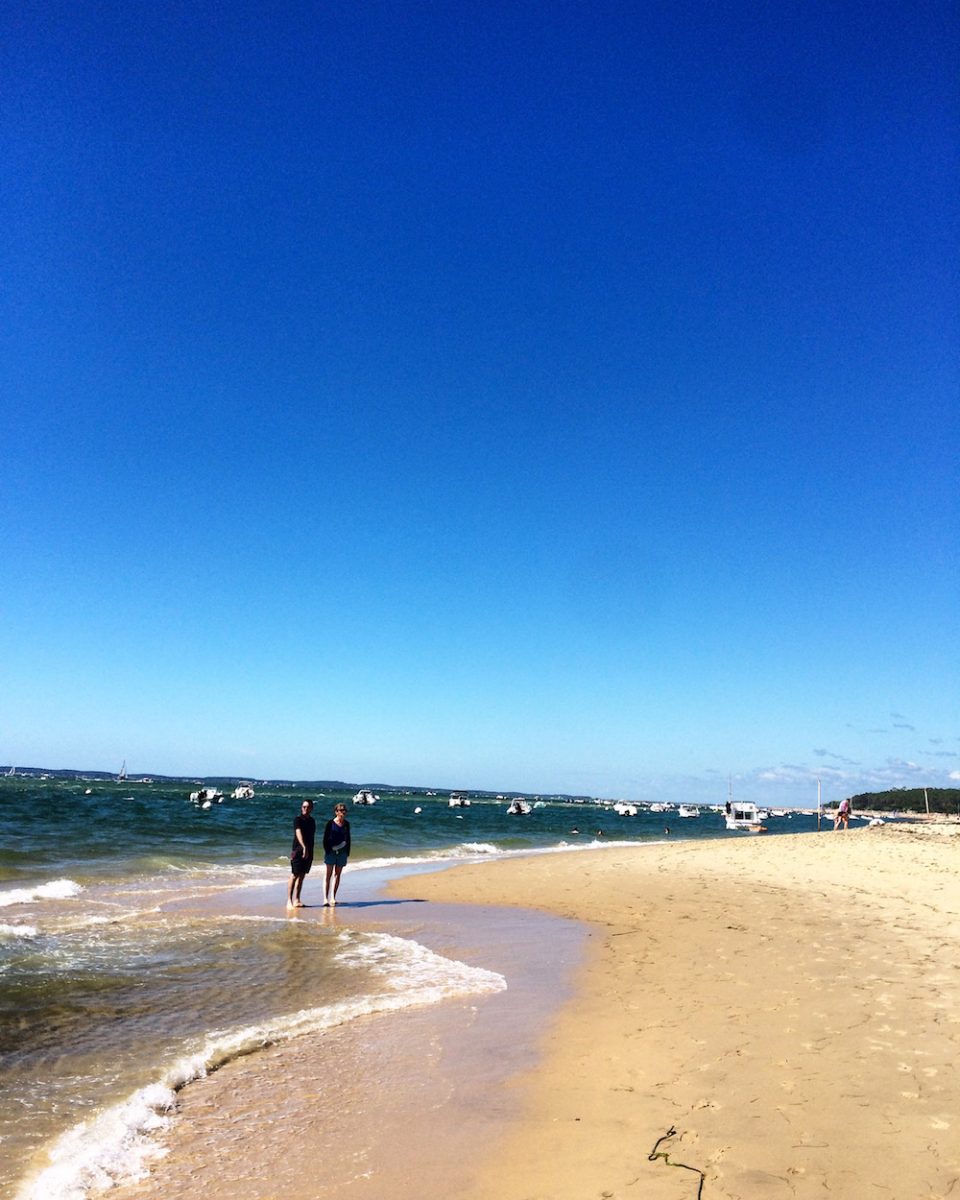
[120,983]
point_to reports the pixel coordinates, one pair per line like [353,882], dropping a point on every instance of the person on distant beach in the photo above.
[336,851]
[843,815]
[301,854]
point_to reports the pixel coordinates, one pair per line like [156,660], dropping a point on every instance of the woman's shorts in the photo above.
[335,858]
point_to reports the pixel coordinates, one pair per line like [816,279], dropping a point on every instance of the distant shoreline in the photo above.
[907,803]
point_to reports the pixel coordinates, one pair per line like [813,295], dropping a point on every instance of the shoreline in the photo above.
[376,1094]
[788,1006]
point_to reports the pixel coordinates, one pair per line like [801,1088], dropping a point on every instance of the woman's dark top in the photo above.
[334,834]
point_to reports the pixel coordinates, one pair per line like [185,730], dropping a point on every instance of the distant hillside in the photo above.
[942,800]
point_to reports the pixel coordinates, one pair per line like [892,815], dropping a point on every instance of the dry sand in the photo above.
[789,1005]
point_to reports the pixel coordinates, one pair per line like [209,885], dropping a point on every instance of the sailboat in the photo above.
[121,778]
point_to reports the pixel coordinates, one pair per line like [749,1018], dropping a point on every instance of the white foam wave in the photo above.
[473,851]
[58,889]
[436,858]
[18,931]
[118,1145]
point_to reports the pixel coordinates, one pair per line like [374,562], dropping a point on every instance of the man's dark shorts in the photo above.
[300,865]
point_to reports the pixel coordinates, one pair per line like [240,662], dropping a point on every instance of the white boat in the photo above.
[621,808]
[689,810]
[744,816]
[658,808]
[518,807]
[243,791]
[779,812]
[206,796]
[11,772]
[458,800]
[121,778]
[365,797]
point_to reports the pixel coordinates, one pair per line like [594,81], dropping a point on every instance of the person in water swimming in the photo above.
[336,851]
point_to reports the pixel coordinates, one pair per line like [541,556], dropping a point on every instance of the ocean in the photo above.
[144,944]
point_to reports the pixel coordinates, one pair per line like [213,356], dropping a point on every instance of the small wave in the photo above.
[469,851]
[18,931]
[58,889]
[434,858]
[117,1146]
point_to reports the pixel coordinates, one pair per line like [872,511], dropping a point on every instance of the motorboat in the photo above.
[658,808]
[243,791]
[623,809]
[746,817]
[365,797]
[206,796]
[458,800]
[688,810]
[518,807]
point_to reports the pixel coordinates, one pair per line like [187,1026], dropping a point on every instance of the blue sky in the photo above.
[557,397]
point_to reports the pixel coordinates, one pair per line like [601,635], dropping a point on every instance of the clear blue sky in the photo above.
[550,396]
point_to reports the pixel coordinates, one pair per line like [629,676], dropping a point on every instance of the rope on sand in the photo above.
[655,1154]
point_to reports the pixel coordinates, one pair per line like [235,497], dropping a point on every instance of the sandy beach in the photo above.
[751,1019]
[789,1006]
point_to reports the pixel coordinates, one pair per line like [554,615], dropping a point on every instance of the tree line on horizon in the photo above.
[941,800]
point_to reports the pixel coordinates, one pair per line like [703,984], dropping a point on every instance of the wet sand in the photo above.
[787,1006]
[400,1105]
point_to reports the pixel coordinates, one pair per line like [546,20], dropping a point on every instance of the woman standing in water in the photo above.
[336,851]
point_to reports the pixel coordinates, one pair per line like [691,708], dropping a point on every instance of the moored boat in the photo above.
[206,796]
[744,816]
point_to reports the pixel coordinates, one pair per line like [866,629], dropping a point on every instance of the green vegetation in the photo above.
[942,800]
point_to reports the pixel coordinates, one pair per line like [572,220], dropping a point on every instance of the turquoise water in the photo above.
[119,984]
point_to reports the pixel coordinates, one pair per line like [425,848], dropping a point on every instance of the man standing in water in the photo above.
[301,856]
